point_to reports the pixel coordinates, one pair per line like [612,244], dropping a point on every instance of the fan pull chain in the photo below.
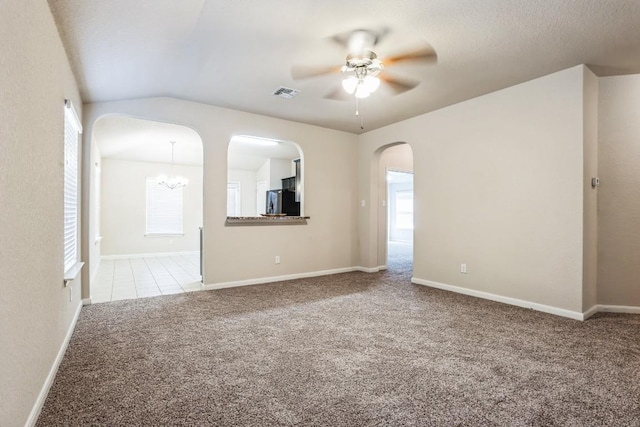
[358,113]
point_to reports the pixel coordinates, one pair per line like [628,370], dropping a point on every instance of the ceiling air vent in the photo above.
[285,92]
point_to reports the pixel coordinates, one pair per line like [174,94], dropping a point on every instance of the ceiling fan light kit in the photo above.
[361,69]
[362,66]
[361,87]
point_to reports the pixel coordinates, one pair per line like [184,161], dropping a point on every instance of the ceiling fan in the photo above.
[363,70]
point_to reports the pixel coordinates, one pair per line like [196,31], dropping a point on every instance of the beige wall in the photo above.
[123,212]
[498,186]
[399,158]
[327,242]
[35,311]
[619,192]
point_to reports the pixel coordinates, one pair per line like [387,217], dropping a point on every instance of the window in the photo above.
[233,199]
[404,209]
[164,209]
[72,128]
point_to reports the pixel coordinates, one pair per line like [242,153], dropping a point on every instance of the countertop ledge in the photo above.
[266,220]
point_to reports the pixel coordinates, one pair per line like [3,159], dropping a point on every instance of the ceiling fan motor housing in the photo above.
[366,63]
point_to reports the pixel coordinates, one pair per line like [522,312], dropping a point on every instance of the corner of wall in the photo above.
[590,193]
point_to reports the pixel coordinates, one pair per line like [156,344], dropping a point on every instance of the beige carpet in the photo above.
[353,349]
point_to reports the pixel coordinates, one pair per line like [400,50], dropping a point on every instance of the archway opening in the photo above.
[264,177]
[395,197]
[146,208]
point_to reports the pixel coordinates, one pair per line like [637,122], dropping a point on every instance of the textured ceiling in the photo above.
[236,53]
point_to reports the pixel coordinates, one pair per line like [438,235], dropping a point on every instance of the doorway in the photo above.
[395,195]
[399,218]
[146,209]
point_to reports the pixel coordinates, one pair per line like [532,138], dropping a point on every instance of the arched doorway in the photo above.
[145,236]
[395,202]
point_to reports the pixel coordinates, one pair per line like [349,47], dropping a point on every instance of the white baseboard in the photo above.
[149,255]
[367,269]
[86,301]
[273,279]
[42,396]
[576,315]
[618,309]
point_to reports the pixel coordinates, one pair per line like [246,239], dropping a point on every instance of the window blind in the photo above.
[164,209]
[72,128]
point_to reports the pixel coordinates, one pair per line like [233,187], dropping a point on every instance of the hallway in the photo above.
[400,257]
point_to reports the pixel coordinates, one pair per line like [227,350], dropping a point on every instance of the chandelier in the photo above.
[172,182]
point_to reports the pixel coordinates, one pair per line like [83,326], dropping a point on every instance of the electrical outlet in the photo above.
[277,259]
[463,268]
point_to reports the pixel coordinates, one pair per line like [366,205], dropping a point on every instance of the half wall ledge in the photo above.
[266,220]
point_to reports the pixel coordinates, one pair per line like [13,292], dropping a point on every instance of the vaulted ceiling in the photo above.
[236,53]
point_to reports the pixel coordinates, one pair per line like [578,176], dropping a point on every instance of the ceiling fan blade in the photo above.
[381,34]
[299,72]
[424,54]
[338,94]
[341,39]
[398,85]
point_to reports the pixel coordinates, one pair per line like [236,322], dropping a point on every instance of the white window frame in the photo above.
[164,213]
[71,214]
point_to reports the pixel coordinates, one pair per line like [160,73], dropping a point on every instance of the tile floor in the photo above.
[145,277]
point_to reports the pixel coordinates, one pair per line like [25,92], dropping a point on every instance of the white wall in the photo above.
[264,172]
[619,191]
[273,170]
[35,309]
[280,168]
[247,180]
[234,253]
[124,208]
[498,186]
